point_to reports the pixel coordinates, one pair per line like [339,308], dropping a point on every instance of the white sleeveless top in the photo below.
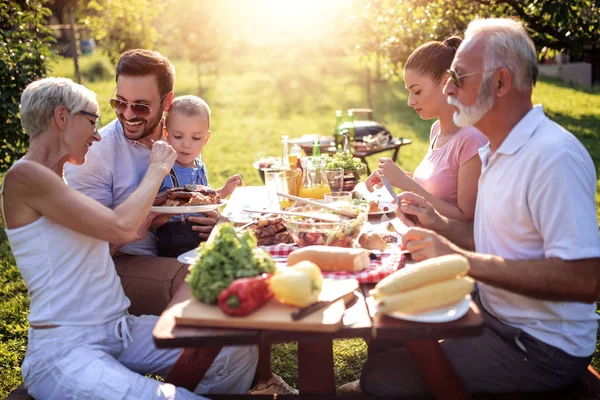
[71,278]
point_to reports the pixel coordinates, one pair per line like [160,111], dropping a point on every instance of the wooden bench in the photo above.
[587,388]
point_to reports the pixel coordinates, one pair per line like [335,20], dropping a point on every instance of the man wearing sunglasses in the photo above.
[533,247]
[113,171]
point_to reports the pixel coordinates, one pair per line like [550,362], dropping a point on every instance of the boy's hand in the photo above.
[233,182]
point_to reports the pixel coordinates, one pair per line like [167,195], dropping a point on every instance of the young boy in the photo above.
[188,128]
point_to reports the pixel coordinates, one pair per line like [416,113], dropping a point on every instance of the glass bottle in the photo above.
[285,162]
[316,148]
[314,181]
[352,129]
[337,133]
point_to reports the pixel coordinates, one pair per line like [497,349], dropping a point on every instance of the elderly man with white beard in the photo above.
[533,247]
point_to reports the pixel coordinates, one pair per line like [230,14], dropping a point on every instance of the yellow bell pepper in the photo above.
[299,285]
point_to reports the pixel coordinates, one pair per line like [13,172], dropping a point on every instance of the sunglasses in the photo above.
[456,78]
[141,110]
[89,114]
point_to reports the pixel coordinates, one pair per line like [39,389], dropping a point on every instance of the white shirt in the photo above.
[113,169]
[70,277]
[536,200]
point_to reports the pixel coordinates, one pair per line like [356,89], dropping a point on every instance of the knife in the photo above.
[396,223]
[389,188]
[306,311]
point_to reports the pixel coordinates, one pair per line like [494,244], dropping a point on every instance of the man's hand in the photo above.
[204,225]
[414,210]
[424,244]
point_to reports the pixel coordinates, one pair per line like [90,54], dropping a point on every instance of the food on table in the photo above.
[226,256]
[188,195]
[245,295]
[375,207]
[423,273]
[329,258]
[372,241]
[308,231]
[425,286]
[299,285]
[271,231]
[267,162]
[426,298]
[346,161]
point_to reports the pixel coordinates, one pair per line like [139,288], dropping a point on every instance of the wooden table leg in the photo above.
[190,367]
[315,367]
[263,369]
[436,370]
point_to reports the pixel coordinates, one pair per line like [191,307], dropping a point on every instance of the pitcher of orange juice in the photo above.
[314,181]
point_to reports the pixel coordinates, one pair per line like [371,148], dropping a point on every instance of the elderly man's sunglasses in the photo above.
[141,110]
[456,77]
[96,123]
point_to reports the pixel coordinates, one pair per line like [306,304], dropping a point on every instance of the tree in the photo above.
[123,25]
[24,51]
[397,27]
[198,30]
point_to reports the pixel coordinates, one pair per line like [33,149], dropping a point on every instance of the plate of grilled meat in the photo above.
[187,199]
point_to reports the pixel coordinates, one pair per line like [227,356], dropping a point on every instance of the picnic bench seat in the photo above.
[587,388]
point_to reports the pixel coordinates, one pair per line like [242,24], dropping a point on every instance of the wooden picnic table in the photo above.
[315,352]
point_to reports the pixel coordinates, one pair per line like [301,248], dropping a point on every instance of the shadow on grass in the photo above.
[585,128]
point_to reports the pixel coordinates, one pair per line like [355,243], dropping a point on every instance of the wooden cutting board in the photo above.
[274,315]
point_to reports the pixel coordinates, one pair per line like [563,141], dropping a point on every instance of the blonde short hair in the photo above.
[40,98]
[189,106]
[508,46]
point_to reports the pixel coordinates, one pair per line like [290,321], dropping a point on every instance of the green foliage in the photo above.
[98,70]
[123,25]
[23,57]
[394,28]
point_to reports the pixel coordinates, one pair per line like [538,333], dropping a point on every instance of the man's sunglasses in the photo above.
[141,110]
[456,77]
[89,114]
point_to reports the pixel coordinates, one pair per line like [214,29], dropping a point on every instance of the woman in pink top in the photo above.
[447,176]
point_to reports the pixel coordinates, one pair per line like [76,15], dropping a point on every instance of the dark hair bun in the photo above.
[452,41]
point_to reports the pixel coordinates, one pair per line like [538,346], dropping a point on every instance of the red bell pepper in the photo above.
[245,295]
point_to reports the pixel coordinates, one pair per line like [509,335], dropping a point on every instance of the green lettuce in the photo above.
[227,256]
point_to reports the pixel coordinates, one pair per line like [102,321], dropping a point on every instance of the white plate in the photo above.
[189,257]
[239,217]
[186,209]
[391,208]
[446,314]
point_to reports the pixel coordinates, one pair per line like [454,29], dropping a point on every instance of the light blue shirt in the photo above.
[113,169]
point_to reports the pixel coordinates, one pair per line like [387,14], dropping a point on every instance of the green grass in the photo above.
[255,101]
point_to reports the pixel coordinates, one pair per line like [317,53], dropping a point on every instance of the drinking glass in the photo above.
[335,177]
[338,198]
[273,184]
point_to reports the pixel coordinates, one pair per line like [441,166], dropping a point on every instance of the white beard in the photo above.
[469,116]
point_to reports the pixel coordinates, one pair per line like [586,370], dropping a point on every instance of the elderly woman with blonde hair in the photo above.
[82,343]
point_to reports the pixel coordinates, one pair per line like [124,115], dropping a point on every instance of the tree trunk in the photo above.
[199,78]
[368,83]
[73,40]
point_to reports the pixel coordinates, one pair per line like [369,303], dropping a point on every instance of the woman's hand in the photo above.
[394,174]
[162,155]
[374,181]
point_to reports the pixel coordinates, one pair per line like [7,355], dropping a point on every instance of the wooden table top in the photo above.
[357,322]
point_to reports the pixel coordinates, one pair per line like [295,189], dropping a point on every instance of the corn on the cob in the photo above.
[429,271]
[427,298]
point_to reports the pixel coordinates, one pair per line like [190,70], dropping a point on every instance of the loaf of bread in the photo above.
[372,241]
[330,258]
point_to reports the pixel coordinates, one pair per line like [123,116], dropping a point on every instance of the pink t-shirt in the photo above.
[438,172]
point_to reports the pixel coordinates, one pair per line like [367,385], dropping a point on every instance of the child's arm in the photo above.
[233,182]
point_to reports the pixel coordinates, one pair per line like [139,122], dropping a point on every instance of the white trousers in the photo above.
[109,361]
